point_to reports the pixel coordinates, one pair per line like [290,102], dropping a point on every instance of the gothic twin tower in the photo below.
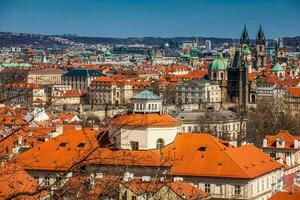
[260,51]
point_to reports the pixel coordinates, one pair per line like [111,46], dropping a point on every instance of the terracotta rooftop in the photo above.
[14,180]
[61,152]
[285,196]
[160,120]
[281,135]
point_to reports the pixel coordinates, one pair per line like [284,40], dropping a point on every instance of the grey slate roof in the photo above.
[83,73]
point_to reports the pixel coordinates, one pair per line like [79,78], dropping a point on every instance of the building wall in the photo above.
[188,92]
[45,79]
[230,128]
[146,136]
[260,188]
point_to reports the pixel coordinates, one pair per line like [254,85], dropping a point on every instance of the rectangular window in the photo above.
[237,189]
[207,187]
[134,145]
[37,179]
[47,181]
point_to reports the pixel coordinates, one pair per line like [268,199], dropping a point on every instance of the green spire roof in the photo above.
[219,63]
[146,94]
[246,51]
[277,67]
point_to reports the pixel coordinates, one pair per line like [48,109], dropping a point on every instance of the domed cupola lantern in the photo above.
[218,69]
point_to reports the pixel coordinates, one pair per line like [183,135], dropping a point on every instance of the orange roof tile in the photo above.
[294,92]
[61,152]
[283,135]
[207,156]
[14,180]
[146,120]
[285,196]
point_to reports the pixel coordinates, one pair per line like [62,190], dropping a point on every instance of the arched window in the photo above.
[160,143]
[222,75]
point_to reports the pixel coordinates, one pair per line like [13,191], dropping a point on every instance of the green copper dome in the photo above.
[146,94]
[219,63]
[277,67]
[246,51]
[107,53]
[194,53]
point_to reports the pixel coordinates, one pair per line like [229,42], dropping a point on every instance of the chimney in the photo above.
[296,144]
[146,178]
[30,133]
[177,179]
[20,138]
[288,161]
[265,143]
[233,143]
[95,127]
[243,143]
[78,127]
[59,129]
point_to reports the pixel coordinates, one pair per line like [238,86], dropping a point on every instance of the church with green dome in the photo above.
[218,69]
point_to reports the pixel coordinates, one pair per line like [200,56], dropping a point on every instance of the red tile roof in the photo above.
[285,196]
[61,152]
[209,157]
[160,120]
[14,180]
[293,92]
[283,135]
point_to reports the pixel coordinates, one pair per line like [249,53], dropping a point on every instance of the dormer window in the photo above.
[280,143]
[160,143]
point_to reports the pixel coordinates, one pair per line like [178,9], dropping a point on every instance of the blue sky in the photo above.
[165,18]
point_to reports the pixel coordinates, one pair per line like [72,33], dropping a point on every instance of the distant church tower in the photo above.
[238,88]
[260,57]
[244,38]
[281,54]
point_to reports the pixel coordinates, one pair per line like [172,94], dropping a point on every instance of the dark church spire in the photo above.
[245,38]
[260,38]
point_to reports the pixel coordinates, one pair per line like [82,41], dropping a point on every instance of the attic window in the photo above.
[81,145]
[203,148]
[63,144]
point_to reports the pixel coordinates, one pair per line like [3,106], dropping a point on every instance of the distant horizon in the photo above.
[146,18]
[166,37]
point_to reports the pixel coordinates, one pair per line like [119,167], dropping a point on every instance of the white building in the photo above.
[146,128]
[207,45]
[201,91]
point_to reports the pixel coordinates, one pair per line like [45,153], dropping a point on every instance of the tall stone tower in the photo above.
[281,53]
[238,87]
[244,38]
[260,56]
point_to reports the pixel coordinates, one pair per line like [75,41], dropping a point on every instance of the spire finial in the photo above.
[245,37]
